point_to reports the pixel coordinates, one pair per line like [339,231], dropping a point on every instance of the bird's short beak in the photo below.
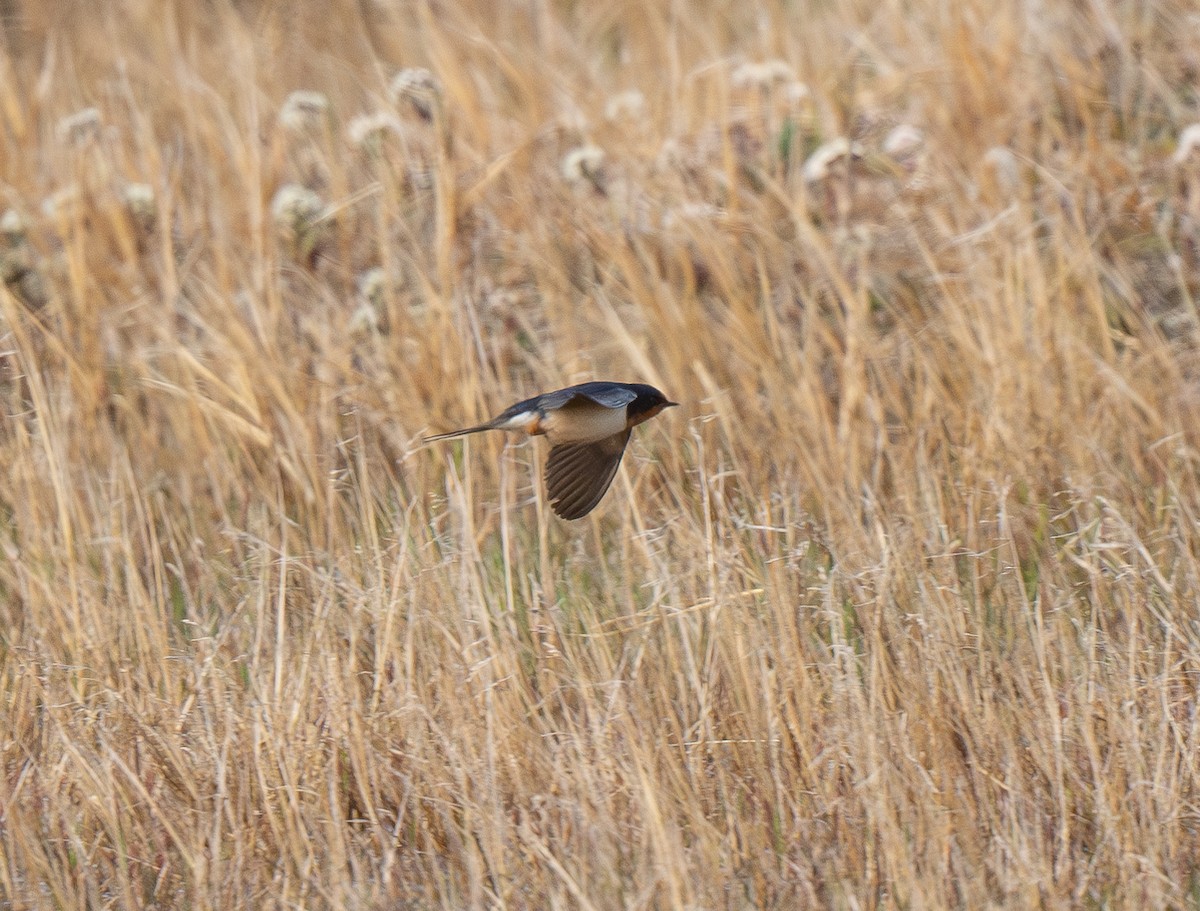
[671,405]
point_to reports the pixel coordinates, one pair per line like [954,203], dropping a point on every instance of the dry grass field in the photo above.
[898,610]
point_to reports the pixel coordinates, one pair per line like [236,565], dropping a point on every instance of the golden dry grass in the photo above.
[898,611]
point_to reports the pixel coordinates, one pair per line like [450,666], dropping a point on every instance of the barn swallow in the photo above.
[588,426]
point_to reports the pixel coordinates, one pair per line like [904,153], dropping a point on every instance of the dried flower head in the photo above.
[13,226]
[62,203]
[138,198]
[690,213]
[819,164]
[364,319]
[1002,169]
[372,283]
[79,127]
[297,211]
[762,75]
[369,130]
[19,262]
[629,105]
[571,120]
[583,164]
[1189,141]
[797,92]
[19,273]
[302,110]
[903,141]
[295,206]
[671,154]
[418,87]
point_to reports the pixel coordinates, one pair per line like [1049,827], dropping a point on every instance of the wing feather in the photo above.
[579,474]
[609,395]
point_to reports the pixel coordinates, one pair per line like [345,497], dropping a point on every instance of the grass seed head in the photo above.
[903,141]
[80,127]
[1001,171]
[368,131]
[303,109]
[419,87]
[139,199]
[298,212]
[628,105]
[762,75]
[819,165]
[583,164]
[295,205]
[13,226]
[1189,142]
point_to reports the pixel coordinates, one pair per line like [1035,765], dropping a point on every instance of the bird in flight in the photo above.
[588,426]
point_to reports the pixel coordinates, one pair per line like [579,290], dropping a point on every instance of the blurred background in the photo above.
[899,609]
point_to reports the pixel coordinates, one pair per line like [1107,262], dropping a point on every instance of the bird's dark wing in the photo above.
[578,474]
[610,395]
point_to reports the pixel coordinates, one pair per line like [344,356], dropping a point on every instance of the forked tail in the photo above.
[458,433]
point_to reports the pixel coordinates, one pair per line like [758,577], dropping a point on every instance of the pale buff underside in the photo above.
[582,421]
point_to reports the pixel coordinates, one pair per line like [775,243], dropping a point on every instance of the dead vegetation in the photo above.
[898,611]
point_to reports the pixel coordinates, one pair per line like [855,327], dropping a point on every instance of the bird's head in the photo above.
[648,403]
